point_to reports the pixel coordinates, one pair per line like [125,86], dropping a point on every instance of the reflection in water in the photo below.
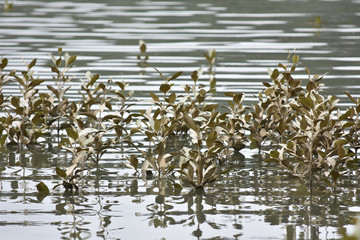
[74,229]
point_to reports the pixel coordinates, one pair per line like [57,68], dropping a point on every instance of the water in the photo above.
[254,201]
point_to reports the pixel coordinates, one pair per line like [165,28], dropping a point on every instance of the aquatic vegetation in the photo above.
[8,6]
[69,177]
[143,57]
[210,56]
[352,121]
[234,128]
[314,145]
[58,105]
[157,126]
[317,23]
[302,131]
[24,123]
[270,119]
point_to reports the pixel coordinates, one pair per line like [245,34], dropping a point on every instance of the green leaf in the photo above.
[211,107]
[165,87]
[54,69]
[335,175]
[162,76]
[61,173]
[275,74]
[306,101]
[54,91]
[154,97]
[108,105]
[32,64]
[35,83]
[93,79]
[274,154]
[142,46]
[72,133]
[211,137]
[42,188]
[266,84]
[15,101]
[134,130]
[345,115]
[172,97]
[157,125]
[90,115]
[19,80]
[190,123]
[340,142]
[229,94]
[282,66]
[176,75]
[72,59]
[195,76]
[295,58]
[4,63]
[3,139]
[341,152]
[303,124]
[350,97]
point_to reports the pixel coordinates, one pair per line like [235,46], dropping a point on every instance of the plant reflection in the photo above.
[73,229]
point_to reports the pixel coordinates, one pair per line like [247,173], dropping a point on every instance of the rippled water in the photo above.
[254,201]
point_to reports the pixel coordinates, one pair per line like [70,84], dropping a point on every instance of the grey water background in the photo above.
[253,201]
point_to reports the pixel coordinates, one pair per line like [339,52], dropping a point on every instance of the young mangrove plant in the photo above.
[58,104]
[198,164]
[270,120]
[123,117]
[158,125]
[90,122]
[25,124]
[4,101]
[143,57]
[352,122]
[308,135]
[234,127]
[210,56]
[315,150]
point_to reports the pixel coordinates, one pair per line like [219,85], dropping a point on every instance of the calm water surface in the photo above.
[254,201]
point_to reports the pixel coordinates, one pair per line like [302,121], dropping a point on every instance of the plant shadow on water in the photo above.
[307,151]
